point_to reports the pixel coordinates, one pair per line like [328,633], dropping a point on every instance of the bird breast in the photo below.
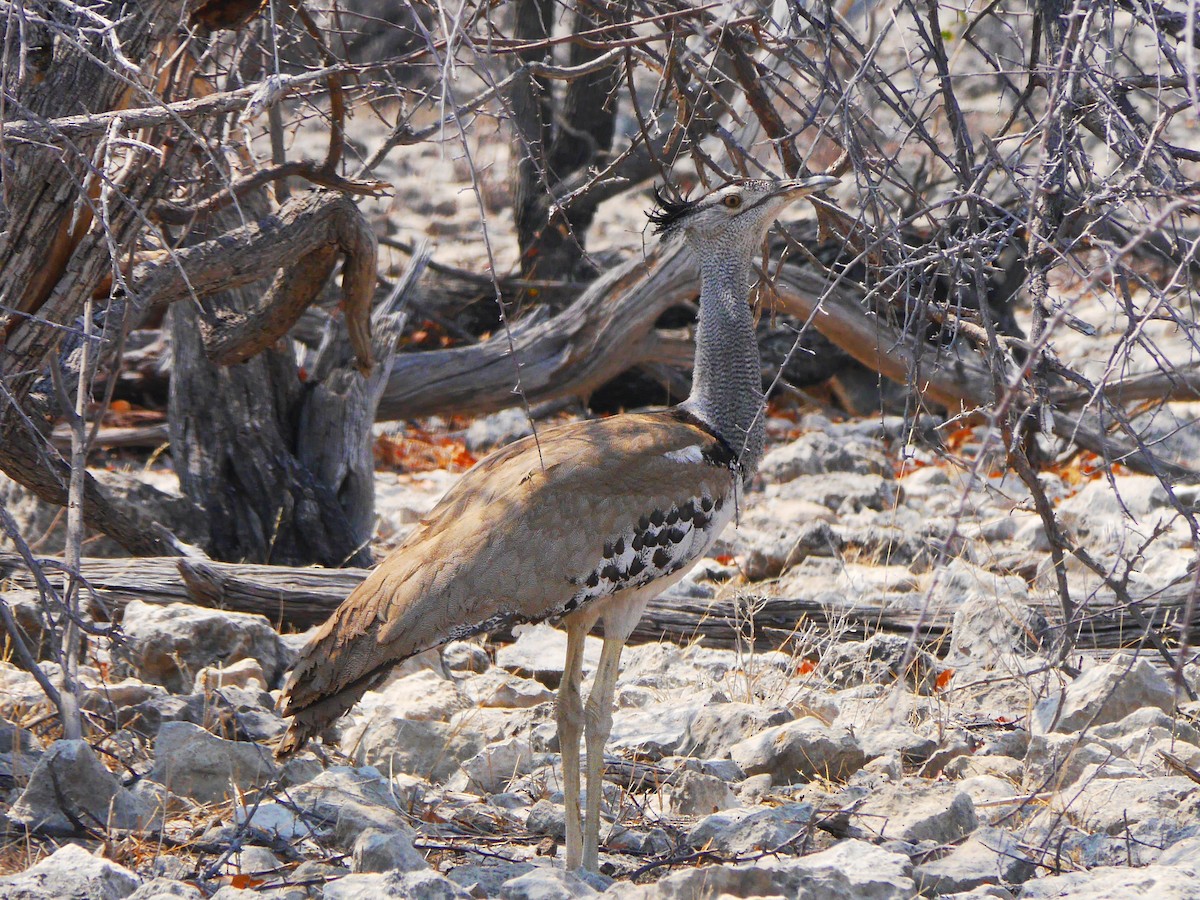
[662,543]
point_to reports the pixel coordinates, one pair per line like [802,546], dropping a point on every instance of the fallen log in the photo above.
[117,436]
[606,331]
[298,598]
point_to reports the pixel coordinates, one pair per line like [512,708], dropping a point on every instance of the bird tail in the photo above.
[320,710]
[294,740]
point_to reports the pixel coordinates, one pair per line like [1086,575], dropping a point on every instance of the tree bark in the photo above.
[54,249]
[560,141]
[607,330]
[280,459]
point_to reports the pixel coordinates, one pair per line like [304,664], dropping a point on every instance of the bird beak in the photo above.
[802,187]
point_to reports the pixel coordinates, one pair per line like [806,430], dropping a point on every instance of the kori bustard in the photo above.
[586,524]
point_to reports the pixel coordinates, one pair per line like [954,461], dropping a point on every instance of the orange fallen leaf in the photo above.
[958,437]
[806,666]
[943,679]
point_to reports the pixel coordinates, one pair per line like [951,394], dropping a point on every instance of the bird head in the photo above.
[734,218]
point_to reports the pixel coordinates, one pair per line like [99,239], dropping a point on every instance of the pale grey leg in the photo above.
[598,716]
[570,728]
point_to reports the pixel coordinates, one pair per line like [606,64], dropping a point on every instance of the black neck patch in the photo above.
[722,454]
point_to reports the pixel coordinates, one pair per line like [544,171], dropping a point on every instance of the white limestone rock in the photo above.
[917,810]
[245,673]
[800,751]
[654,731]
[345,802]
[377,851]
[540,651]
[1104,693]
[496,689]
[752,829]
[545,883]
[465,657]
[1117,883]
[166,889]
[485,878]
[1137,506]
[170,644]
[395,885]
[694,794]
[548,818]
[851,870]
[773,537]
[429,750]
[69,784]
[816,453]
[277,820]
[841,492]
[1143,733]
[497,429]
[190,762]
[913,748]
[990,628]
[422,696]
[1113,805]
[1055,761]
[880,659]
[989,856]
[144,708]
[493,767]
[70,873]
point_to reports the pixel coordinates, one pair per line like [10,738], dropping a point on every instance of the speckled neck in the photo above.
[727,379]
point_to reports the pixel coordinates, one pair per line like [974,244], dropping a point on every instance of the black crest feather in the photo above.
[668,211]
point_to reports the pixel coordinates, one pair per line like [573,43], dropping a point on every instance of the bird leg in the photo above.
[598,725]
[570,727]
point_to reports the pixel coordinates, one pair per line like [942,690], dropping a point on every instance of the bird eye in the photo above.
[733,201]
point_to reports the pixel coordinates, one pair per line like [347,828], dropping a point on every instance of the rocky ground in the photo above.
[836,767]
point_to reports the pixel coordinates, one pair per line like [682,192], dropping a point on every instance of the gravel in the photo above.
[846,765]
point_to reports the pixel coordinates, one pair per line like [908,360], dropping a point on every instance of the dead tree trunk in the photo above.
[80,224]
[66,213]
[559,142]
[279,455]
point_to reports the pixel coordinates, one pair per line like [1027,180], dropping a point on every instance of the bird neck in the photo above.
[727,379]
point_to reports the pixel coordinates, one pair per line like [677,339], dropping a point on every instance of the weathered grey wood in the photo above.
[53,254]
[44,242]
[302,597]
[280,463]
[956,377]
[120,436]
[77,128]
[610,328]
[338,414]
[58,248]
[606,331]
[301,241]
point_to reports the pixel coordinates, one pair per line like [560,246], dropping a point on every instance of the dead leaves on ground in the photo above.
[418,450]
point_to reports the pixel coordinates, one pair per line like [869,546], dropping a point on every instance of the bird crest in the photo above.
[668,212]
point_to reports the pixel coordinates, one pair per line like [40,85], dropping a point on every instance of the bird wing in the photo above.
[537,530]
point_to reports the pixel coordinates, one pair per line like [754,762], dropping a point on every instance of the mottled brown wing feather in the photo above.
[506,544]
